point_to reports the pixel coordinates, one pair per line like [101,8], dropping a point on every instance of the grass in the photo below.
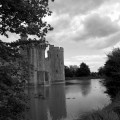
[83,78]
[110,112]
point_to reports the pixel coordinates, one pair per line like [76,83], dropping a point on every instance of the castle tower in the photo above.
[37,59]
[56,64]
[41,63]
[23,50]
[34,54]
[43,70]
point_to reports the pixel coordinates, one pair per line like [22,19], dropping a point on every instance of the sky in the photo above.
[87,30]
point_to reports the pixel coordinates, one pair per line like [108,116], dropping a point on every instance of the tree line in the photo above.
[111,67]
[77,71]
[111,71]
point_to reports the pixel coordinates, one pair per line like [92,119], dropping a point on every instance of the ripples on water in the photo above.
[66,102]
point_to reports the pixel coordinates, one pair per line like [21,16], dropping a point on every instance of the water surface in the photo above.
[66,102]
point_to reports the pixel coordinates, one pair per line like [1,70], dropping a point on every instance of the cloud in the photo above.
[12,37]
[93,29]
[89,57]
[59,22]
[93,61]
[104,42]
[97,32]
[85,27]
[75,7]
[96,26]
[94,22]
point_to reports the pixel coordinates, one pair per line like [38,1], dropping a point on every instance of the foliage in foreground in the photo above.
[110,112]
[24,16]
[112,65]
[12,97]
[111,70]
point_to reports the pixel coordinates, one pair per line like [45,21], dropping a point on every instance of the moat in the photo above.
[66,102]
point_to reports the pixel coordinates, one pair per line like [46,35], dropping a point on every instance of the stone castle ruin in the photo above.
[48,70]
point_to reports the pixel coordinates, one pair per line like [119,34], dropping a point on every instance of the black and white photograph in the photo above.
[59,59]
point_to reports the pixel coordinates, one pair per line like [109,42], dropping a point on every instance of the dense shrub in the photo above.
[84,70]
[112,65]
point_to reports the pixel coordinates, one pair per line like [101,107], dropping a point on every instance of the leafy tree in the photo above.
[24,16]
[94,74]
[101,71]
[73,69]
[68,72]
[112,65]
[12,97]
[84,70]
[112,71]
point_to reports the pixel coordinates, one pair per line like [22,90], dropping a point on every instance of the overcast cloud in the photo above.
[82,26]
[75,7]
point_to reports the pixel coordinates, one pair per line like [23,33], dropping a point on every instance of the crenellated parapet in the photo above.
[45,70]
[56,63]
[52,47]
[35,45]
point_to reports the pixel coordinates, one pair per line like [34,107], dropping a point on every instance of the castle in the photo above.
[48,70]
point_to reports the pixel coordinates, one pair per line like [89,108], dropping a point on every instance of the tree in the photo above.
[112,71]
[94,74]
[101,71]
[73,69]
[112,65]
[84,70]
[24,16]
[12,97]
[68,72]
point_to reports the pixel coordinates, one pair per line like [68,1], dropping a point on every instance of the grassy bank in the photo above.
[110,112]
[84,78]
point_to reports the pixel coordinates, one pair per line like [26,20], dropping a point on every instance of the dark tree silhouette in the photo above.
[112,65]
[20,17]
[24,16]
[84,70]
[101,71]
[112,71]
[68,72]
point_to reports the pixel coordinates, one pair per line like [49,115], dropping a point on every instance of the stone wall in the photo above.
[56,64]
[45,70]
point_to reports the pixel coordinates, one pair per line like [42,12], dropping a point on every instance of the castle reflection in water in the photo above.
[50,106]
[66,102]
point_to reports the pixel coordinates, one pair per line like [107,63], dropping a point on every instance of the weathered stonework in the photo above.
[48,70]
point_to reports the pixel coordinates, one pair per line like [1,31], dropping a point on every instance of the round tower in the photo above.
[37,59]
[56,58]
[40,60]
[34,54]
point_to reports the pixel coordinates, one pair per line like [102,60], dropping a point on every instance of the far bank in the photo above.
[84,78]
